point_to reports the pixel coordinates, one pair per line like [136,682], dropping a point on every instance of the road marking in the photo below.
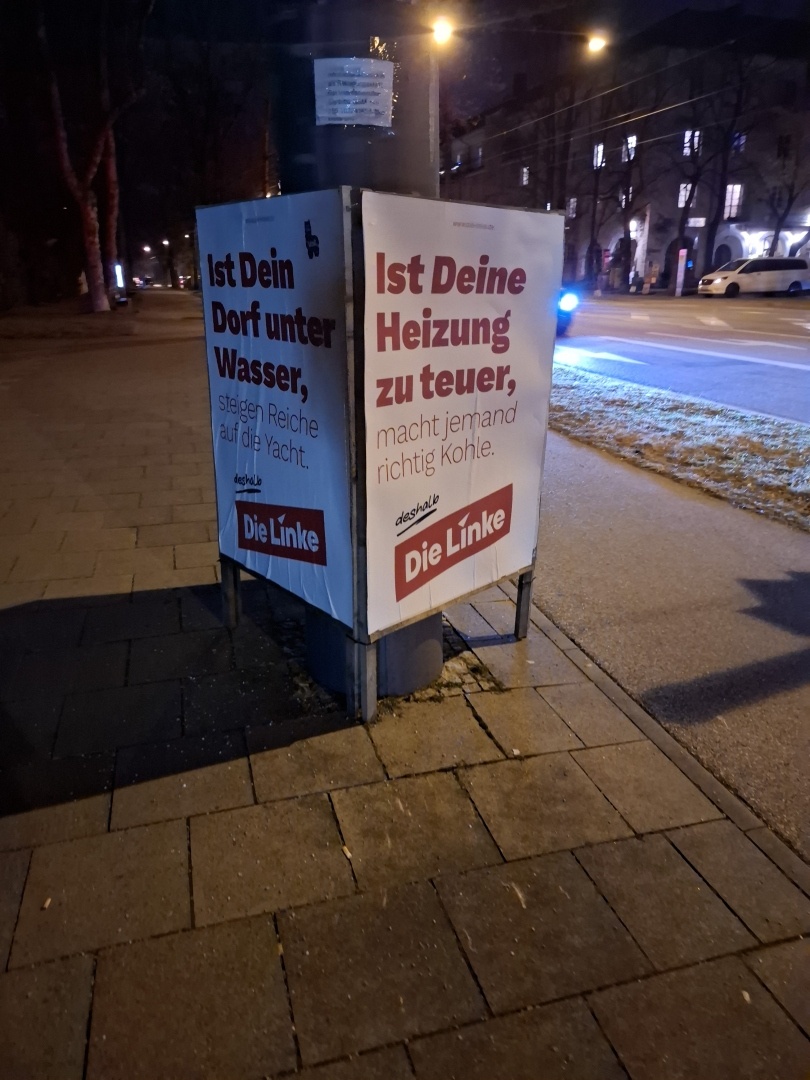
[734,341]
[711,320]
[645,318]
[718,356]
[575,355]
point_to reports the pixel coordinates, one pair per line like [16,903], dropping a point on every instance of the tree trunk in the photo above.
[113,199]
[88,211]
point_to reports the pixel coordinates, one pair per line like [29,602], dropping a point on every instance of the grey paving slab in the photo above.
[389,1064]
[777,851]
[413,828]
[499,612]
[644,785]
[523,724]
[335,759]
[555,1042]
[541,804]
[107,719]
[88,667]
[179,656]
[767,902]
[237,699]
[587,711]
[711,1022]
[785,970]
[428,735]
[371,970]
[83,894]
[263,858]
[13,871]
[534,661]
[43,1020]
[27,728]
[670,911]
[538,930]
[204,1005]
[118,622]
[180,779]
[470,624]
[254,647]
[58,626]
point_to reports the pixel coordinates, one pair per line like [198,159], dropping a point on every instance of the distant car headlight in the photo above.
[568,301]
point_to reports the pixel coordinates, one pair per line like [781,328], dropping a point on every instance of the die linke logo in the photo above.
[451,540]
[288,532]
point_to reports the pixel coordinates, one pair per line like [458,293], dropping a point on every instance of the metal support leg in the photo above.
[361,680]
[231,596]
[523,604]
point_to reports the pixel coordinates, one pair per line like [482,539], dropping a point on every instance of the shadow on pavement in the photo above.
[102,692]
[783,602]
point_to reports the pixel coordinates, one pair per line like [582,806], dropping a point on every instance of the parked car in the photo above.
[566,306]
[757,276]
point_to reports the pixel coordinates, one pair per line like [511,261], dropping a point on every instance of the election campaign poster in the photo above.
[274,288]
[459,328]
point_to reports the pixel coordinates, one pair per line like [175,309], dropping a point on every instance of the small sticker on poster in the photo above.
[352,90]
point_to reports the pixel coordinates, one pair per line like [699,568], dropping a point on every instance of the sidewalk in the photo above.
[207,871]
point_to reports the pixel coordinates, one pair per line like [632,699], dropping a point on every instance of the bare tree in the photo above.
[785,175]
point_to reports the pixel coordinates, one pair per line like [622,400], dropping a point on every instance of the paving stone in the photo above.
[135,516]
[43,1020]
[201,609]
[336,759]
[167,497]
[203,511]
[644,785]
[594,718]
[28,593]
[471,625]
[180,779]
[58,626]
[186,532]
[103,890]
[206,1005]
[538,930]
[670,911]
[711,1022]
[541,804]
[88,667]
[238,699]
[521,721]
[159,579]
[389,1064]
[777,851]
[108,502]
[13,871]
[179,656]
[186,555]
[97,589]
[534,661]
[785,970]
[99,540]
[767,902]
[107,719]
[555,1042]
[254,647]
[262,858]
[370,970]
[135,560]
[119,622]
[424,736]
[414,828]
[27,728]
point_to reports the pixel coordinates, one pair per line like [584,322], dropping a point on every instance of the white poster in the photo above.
[460,322]
[354,90]
[274,292]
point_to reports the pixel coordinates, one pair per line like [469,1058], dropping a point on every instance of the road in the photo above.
[701,611]
[752,354]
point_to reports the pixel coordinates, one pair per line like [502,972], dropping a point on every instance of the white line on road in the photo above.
[711,320]
[646,318]
[733,341]
[716,355]
[572,355]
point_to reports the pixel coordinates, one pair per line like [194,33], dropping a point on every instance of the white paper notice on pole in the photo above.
[274,297]
[354,90]
[460,323]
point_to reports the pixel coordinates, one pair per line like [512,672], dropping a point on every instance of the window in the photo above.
[524,176]
[783,146]
[599,155]
[629,148]
[691,143]
[478,157]
[734,194]
[738,142]
[683,195]
[626,197]
[571,211]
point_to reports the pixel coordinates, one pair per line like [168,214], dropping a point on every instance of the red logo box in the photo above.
[288,532]
[450,540]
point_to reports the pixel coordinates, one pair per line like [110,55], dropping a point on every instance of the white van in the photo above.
[757,276]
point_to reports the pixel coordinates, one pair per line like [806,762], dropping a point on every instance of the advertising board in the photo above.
[459,327]
[273,283]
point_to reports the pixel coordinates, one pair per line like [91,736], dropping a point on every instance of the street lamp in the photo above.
[147,249]
[596,43]
[442,31]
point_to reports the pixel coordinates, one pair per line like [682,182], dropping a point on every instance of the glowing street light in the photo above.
[147,249]
[442,31]
[165,243]
[596,44]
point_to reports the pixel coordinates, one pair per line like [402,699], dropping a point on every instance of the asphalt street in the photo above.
[701,612]
[748,353]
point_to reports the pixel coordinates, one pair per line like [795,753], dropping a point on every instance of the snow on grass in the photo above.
[753,461]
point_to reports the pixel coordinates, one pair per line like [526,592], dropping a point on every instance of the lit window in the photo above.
[479,157]
[626,197]
[599,155]
[629,148]
[734,194]
[738,142]
[683,194]
[572,207]
[691,143]
[524,176]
